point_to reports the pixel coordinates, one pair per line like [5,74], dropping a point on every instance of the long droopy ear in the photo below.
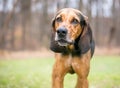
[53,20]
[85,39]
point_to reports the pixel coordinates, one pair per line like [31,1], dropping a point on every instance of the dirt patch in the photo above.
[107,51]
[26,54]
[49,54]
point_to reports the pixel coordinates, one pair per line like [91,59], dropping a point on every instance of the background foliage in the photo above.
[26,24]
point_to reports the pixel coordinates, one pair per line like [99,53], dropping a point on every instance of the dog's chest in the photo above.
[68,61]
[68,64]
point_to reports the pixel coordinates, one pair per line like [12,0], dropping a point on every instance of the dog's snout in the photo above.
[62,32]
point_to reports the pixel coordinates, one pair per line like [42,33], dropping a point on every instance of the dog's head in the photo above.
[67,26]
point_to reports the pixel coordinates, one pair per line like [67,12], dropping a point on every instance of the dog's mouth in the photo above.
[63,42]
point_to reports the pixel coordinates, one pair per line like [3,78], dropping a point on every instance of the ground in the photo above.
[36,72]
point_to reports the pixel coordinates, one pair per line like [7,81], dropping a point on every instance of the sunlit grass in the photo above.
[105,72]
[36,73]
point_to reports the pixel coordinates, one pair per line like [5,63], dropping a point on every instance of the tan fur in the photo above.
[73,30]
[65,63]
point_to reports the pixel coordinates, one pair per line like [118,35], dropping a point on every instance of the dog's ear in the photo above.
[53,44]
[53,22]
[54,18]
[84,43]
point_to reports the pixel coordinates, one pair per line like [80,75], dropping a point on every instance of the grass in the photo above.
[36,73]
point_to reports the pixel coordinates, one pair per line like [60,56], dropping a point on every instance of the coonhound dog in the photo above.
[73,44]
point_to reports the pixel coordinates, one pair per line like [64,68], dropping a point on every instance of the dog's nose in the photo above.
[62,31]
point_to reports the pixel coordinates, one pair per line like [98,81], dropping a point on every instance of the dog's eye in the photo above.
[74,21]
[59,19]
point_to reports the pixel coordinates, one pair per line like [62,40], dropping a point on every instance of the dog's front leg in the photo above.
[59,71]
[82,70]
[81,66]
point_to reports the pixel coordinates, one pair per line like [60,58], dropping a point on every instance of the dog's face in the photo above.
[67,26]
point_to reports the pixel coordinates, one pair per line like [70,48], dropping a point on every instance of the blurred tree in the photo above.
[5,22]
[26,19]
[114,29]
[43,22]
[80,5]
[2,25]
[25,24]
[62,4]
[89,10]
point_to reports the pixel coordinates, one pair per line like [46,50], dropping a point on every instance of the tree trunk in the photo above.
[26,18]
[6,23]
[80,5]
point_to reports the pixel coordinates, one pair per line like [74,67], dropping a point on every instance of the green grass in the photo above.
[105,72]
[36,73]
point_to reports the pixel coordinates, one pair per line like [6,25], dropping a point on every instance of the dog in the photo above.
[73,44]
